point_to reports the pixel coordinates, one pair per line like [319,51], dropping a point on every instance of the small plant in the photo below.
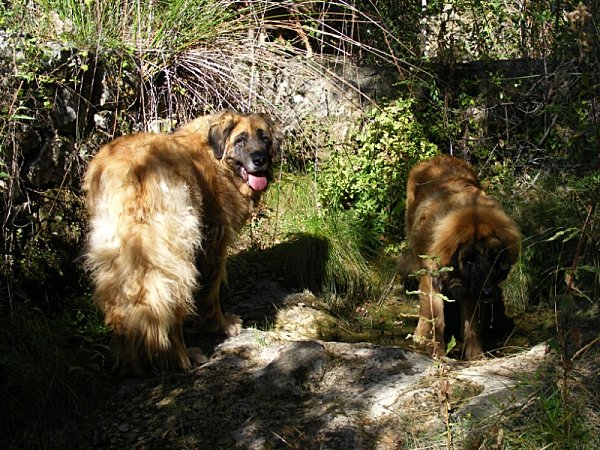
[261,337]
[433,270]
[442,385]
[369,175]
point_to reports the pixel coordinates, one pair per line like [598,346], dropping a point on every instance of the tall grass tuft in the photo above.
[335,254]
[142,26]
[197,55]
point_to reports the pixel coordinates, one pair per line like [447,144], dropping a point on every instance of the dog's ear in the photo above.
[277,138]
[276,132]
[219,132]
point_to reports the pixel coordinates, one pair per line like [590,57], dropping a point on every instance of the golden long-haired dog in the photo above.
[452,223]
[163,210]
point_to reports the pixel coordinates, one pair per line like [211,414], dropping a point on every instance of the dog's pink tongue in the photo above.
[256,182]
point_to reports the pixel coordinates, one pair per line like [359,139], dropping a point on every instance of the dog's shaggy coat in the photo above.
[163,210]
[452,223]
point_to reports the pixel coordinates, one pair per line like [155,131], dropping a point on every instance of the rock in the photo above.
[64,115]
[51,160]
[265,389]
[499,382]
[294,370]
[302,322]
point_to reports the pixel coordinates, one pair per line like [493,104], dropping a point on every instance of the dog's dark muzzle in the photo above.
[259,161]
[488,293]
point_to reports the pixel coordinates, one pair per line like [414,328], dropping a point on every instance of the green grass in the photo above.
[331,253]
[549,419]
[140,26]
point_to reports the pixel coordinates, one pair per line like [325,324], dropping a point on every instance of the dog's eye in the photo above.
[264,137]
[240,140]
[470,258]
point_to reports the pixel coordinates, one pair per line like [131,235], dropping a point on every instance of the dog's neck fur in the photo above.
[228,209]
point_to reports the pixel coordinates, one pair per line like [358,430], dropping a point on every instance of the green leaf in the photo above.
[451,344]
[446,299]
[16,117]
[574,232]
[417,292]
[590,269]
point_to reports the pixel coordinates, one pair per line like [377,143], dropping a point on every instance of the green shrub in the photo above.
[369,175]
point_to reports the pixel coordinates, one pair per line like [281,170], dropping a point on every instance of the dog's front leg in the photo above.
[472,328]
[430,328]
[213,269]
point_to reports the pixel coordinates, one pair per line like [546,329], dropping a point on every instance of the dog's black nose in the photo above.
[259,159]
[488,290]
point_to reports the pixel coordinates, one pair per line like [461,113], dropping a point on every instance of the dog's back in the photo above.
[431,194]
[144,232]
[431,185]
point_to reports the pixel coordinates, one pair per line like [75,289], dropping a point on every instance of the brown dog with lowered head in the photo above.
[452,223]
[163,211]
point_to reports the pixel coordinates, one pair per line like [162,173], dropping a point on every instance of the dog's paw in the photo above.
[197,356]
[232,324]
[474,352]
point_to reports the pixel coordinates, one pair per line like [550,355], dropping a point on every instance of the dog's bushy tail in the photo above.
[144,236]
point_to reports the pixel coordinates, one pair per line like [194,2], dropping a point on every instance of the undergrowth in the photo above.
[368,175]
[560,413]
[330,252]
[559,218]
[51,370]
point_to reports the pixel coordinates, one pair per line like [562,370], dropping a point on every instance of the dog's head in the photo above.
[481,266]
[247,143]
[481,245]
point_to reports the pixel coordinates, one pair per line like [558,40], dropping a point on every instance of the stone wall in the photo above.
[85,106]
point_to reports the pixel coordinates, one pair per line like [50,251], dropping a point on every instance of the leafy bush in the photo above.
[369,175]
